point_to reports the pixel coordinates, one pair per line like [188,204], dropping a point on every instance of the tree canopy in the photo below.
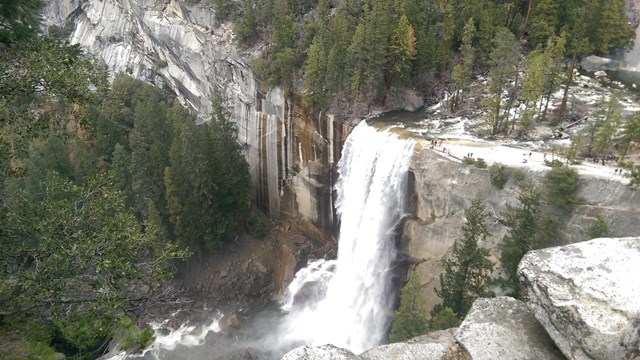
[467,270]
[411,317]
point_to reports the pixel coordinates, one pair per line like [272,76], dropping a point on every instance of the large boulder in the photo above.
[503,328]
[324,352]
[433,346]
[587,296]
[230,323]
[594,63]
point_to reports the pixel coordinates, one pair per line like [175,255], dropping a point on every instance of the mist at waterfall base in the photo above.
[348,301]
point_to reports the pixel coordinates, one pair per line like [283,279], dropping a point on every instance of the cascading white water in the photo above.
[356,306]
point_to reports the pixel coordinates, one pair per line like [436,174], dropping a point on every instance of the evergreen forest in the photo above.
[104,188]
[360,51]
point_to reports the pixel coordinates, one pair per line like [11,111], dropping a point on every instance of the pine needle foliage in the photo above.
[411,317]
[466,272]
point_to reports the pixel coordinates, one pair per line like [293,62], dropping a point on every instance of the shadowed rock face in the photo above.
[170,44]
[503,328]
[587,296]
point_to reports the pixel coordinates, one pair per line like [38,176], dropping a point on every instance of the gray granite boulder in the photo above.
[587,296]
[593,63]
[432,346]
[324,352]
[504,328]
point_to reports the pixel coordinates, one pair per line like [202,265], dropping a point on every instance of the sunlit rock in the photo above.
[324,352]
[433,346]
[503,328]
[587,296]
[595,63]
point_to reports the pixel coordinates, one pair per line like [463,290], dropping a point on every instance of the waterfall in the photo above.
[352,301]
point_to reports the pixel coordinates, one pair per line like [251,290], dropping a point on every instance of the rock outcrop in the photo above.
[324,352]
[433,346]
[587,296]
[504,328]
[444,189]
[593,63]
[437,345]
[171,44]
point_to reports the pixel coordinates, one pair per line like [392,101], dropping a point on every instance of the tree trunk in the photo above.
[563,106]
[526,21]
[574,58]
[512,14]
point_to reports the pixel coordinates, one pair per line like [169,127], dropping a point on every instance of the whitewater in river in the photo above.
[355,305]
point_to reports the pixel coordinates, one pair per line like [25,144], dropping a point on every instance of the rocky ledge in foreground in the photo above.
[587,296]
[504,328]
[437,345]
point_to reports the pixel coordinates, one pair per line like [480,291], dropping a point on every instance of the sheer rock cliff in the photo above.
[290,150]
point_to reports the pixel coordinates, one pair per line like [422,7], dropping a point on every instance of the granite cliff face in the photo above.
[444,189]
[290,150]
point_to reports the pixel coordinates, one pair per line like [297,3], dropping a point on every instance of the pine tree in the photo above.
[578,43]
[554,54]
[402,51]
[422,17]
[446,29]
[602,126]
[532,86]
[561,184]
[527,228]
[466,272]
[149,142]
[630,134]
[19,20]
[315,70]
[411,317]
[207,184]
[444,319]
[338,66]
[370,48]
[544,21]
[245,27]
[463,71]
[614,30]
[503,60]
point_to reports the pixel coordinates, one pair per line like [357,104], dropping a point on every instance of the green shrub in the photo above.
[499,175]
[86,332]
[132,338]
[467,160]
[480,163]
[444,319]
[561,185]
[258,227]
[518,175]
[22,338]
[553,163]
[598,229]
[161,64]
[40,351]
